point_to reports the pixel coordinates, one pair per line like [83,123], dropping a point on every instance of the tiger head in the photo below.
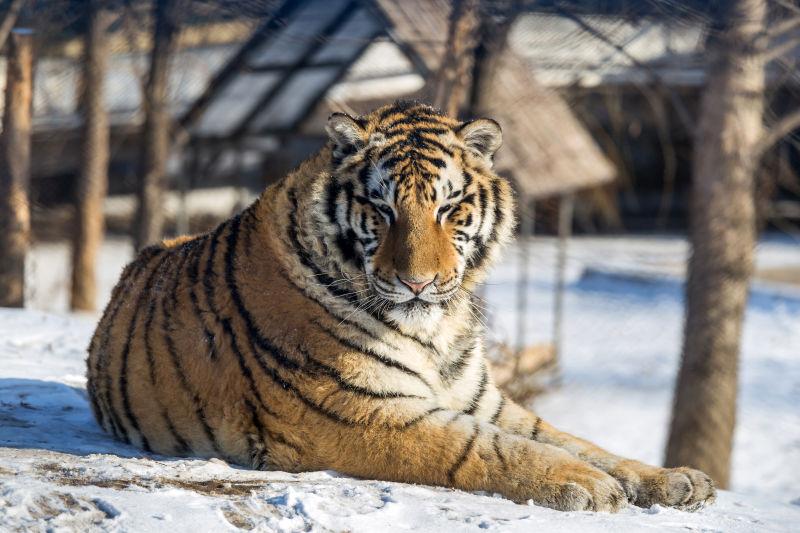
[413,206]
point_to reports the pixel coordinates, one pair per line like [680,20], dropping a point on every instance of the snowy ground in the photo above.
[622,338]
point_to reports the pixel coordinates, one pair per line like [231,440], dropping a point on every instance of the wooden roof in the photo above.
[545,148]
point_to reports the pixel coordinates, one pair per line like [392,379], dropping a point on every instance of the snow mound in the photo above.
[60,471]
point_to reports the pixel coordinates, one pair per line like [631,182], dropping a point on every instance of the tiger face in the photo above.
[414,207]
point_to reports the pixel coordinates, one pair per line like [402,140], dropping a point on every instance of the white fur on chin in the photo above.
[416,319]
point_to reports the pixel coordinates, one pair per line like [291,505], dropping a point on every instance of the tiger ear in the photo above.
[345,132]
[482,135]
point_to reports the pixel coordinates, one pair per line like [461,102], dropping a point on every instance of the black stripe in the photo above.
[182,447]
[193,273]
[466,176]
[144,293]
[127,279]
[500,406]
[262,429]
[476,400]
[480,255]
[253,332]
[414,129]
[341,320]
[372,354]
[453,370]
[209,273]
[260,459]
[332,195]
[167,327]
[136,268]
[305,258]
[426,345]
[352,387]
[437,162]
[244,367]
[417,419]
[99,415]
[468,199]
[411,111]
[226,325]
[254,336]
[483,202]
[249,230]
[463,234]
[439,146]
[498,452]
[536,427]
[462,458]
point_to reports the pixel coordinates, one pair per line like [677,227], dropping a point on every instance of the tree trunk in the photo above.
[93,179]
[496,19]
[453,81]
[9,19]
[722,239]
[156,133]
[15,151]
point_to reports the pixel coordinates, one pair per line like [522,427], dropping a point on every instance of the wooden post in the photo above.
[527,221]
[15,149]
[566,208]
[93,179]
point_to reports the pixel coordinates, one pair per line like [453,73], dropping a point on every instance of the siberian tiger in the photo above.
[330,326]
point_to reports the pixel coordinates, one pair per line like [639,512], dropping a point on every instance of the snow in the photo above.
[59,471]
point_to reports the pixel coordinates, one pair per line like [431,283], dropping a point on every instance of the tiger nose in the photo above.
[416,285]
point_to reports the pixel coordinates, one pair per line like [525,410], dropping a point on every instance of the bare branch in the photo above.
[782,49]
[788,5]
[778,131]
[784,27]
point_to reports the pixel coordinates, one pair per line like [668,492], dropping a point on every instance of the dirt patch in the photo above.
[237,519]
[215,487]
[75,478]
[212,487]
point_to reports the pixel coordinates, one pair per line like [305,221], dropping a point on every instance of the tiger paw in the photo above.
[578,486]
[683,488]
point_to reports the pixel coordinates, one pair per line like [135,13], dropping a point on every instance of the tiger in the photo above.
[331,325]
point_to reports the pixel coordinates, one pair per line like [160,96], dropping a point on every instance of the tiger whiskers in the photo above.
[380,177]
[362,306]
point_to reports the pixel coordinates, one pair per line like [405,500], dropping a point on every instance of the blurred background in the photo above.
[652,299]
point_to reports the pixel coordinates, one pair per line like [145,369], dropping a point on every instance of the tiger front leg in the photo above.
[645,485]
[456,450]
